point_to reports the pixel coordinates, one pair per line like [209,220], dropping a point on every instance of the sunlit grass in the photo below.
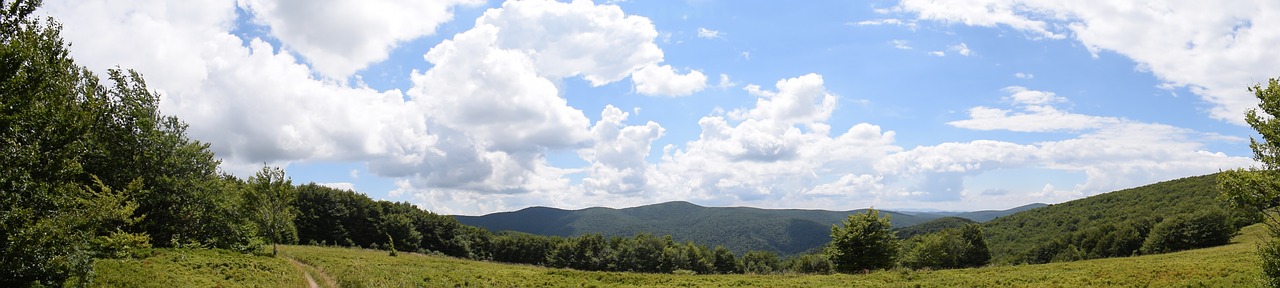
[197,268]
[1233,265]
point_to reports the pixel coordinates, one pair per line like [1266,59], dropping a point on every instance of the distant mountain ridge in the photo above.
[786,231]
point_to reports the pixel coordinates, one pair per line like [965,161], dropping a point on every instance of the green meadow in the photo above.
[1233,265]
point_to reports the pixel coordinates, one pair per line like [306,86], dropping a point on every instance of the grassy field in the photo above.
[198,268]
[1234,265]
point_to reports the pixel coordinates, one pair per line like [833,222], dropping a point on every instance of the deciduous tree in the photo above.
[1258,188]
[866,242]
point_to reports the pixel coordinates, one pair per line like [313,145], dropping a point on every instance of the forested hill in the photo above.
[1104,225]
[786,231]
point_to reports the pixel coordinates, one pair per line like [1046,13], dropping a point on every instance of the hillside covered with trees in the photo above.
[1110,224]
[741,229]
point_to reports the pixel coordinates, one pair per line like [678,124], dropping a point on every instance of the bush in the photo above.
[1270,253]
[1189,231]
[947,249]
[810,264]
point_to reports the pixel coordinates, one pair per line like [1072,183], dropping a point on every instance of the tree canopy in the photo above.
[866,242]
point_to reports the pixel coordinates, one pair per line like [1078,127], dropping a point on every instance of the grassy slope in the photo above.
[1012,235]
[197,268]
[1234,265]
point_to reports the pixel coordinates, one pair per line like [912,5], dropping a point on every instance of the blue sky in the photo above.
[473,107]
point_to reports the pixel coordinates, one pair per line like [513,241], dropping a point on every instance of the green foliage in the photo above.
[197,268]
[1116,216]
[271,194]
[809,264]
[740,229]
[1256,189]
[391,245]
[1231,265]
[1189,231]
[726,262]
[932,226]
[761,262]
[947,249]
[864,243]
[1102,241]
[1270,253]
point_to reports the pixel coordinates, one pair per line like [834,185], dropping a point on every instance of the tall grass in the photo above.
[1233,265]
[197,268]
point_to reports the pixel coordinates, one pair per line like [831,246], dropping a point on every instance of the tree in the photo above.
[56,216]
[271,196]
[947,249]
[866,242]
[1189,231]
[977,254]
[760,262]
[1257,188]
[725,261]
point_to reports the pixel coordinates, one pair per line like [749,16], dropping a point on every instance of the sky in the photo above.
[472,107]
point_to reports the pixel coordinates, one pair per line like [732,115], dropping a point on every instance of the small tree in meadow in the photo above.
[866,242]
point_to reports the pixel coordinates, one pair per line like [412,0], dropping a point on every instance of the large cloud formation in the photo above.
[473,132]
[1213,49]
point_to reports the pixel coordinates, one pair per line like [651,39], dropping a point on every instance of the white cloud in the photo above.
[618,156]
[1021,75]
[900,44]
[339,185]
[1113,153]
[961,49]
[1023,96]
[779,148]
[725,82]
[1212,49]
[479,121]
[937,53]
[663,80]
[986,13]
[340,37]
[708,33]
[1037,115]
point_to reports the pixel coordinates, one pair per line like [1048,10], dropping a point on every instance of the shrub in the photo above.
[1189,231]
[810,264]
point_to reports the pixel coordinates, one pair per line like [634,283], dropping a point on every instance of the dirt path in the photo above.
[311,282]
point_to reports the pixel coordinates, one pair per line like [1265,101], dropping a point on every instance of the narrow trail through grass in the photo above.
[308,271]
[311,282]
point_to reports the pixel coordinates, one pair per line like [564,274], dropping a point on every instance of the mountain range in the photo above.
[741,229]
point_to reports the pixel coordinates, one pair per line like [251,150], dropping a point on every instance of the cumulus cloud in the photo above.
[479,121]
[473,133]
[665,81]
[1212,49]
[618,157]
[776,149]
[1021,75]
[340,37]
